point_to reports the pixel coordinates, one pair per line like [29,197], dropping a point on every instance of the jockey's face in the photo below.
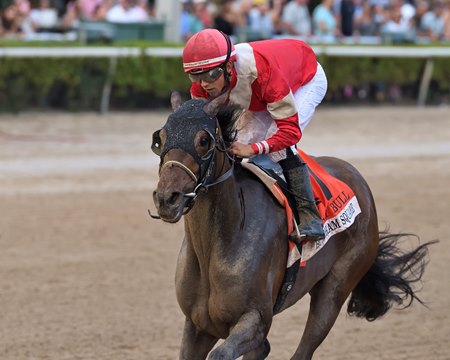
[215,88]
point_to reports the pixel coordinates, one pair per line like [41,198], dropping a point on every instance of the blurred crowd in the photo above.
[22,18]
[321,20]
[247,20]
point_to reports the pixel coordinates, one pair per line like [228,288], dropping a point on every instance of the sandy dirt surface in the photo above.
[86,274]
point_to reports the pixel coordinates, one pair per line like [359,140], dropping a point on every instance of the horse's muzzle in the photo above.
[170,205]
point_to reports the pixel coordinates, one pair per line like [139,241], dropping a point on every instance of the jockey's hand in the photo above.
[241,150]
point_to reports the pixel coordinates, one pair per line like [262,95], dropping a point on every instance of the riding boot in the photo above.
[297,178]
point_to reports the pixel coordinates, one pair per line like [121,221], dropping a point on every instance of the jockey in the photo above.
[278,83]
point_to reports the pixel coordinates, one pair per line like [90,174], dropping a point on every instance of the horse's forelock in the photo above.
[190,110]
[193,111]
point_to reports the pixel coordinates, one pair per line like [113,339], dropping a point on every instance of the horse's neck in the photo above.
[215,215]
[220,203]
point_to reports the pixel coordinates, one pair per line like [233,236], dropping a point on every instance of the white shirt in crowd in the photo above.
[121,15]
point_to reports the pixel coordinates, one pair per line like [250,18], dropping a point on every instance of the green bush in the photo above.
[144,82]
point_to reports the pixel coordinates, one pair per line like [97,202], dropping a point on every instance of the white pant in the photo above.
[257,126]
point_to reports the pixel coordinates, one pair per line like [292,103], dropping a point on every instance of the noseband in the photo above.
[206,163]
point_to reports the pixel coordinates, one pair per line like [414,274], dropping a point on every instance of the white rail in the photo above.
[69,52]
[330,50]
[383,51]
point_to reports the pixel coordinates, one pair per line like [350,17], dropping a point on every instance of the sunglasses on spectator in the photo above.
[207,76]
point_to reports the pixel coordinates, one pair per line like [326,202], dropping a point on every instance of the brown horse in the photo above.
[233,257]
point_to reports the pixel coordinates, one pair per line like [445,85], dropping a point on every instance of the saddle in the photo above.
[335,201]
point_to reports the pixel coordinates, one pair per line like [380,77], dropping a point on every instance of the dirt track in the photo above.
[85,273]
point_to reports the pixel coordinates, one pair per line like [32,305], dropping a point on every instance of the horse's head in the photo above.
[188,146]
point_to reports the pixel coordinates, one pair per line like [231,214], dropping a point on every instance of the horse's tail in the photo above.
[390,279]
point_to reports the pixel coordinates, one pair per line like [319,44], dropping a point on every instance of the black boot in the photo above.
[297,178]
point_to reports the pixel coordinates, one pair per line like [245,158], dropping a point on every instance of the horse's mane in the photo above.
[227,117]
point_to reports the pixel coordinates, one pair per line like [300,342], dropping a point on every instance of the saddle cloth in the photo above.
[335,200]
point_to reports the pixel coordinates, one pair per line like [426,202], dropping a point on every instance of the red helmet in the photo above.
[207,49]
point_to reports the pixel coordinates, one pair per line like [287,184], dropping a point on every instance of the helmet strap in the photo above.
[228,40]
[226,73]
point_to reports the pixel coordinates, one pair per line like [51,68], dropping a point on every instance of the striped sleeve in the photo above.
[288,134]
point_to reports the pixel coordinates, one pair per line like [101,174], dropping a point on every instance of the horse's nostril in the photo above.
[162,199]
[174,198]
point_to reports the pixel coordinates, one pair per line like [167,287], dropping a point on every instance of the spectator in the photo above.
[422,7]
[71,19]
[101,10]
[146,8]
[244,8]
[346,17]
[80,10]
[203,13]
[297,19]
[324,22]
[190,23]
[380,16]
[396,29]
[408,11]
[447,22]
[277,12]
[365,24]
[260,20]
[433,22]
[126,12]
[22,7]
[358,5]
[87,8]
[151,8]
[42,19]
[228,18]
[11,23]
[13,17]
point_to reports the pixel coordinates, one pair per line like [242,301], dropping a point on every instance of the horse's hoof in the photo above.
[220,354]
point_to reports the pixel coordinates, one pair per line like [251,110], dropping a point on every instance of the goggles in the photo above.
[207,76]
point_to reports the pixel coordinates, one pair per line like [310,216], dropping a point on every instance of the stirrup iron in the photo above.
[296,236]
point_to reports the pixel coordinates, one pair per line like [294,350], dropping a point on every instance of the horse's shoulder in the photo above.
[241,174]
[251,184]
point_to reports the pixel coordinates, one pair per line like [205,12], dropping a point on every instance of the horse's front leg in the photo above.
[247,335]
[259,353]
[195,344]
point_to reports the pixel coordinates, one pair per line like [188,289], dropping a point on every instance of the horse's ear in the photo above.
[175,100]
[212,107]
[156,142]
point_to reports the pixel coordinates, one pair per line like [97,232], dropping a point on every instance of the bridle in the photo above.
[206,163]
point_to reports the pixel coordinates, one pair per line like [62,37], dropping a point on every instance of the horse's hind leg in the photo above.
[324,308]
[260,353]
[327,298]
[195,344]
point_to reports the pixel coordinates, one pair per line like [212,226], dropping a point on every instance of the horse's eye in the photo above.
[204,141]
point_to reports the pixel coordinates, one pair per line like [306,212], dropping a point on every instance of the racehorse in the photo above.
[233,257]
